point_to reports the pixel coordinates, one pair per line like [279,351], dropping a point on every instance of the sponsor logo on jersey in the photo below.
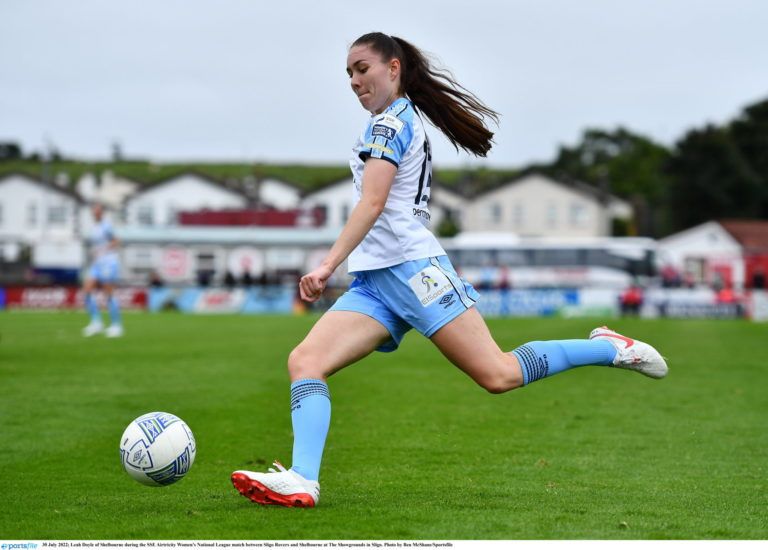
[420,213]
[429,284]
[383,131]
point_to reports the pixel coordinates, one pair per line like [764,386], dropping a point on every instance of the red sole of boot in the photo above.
[260,494]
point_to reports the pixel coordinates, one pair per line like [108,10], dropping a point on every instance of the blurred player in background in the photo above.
[403,278]
[102,272]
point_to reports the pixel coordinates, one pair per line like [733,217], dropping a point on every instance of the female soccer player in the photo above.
[103,271]
[403,279]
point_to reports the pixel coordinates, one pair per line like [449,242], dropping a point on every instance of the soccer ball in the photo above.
[157,449]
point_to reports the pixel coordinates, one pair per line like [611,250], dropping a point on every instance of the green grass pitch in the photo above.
[416,450]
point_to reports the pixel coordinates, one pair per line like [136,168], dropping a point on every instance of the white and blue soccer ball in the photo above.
[157,449]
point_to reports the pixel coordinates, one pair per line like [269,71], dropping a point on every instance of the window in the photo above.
[518,215]
[173,213]
[57,214]
[32,214]
[145,215]
[578,214]
[494,213]
[552,214]
[344,213]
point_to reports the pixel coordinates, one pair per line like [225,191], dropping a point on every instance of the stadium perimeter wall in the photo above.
[283,299]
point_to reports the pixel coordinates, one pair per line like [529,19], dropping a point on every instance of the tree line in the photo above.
[710,173]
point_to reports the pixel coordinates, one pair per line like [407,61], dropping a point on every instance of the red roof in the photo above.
[751,234]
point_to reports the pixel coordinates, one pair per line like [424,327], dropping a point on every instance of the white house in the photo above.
[708,250]
[444,202]
[158,204]
[538,206]
[278,194]
[43,217]
[107,188]
[336,199]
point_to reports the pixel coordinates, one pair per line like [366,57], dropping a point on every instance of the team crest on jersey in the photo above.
[429,284]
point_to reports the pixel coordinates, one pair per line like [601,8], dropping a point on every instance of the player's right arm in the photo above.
[378,176]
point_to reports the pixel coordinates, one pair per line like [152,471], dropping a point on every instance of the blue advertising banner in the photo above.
[269,299]
[526,303]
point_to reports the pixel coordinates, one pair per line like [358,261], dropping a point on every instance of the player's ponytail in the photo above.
[456,111]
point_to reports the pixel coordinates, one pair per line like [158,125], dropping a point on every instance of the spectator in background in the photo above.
[758,278]
[229,280]
[670,277]
[204,278]
[631,300]
[155,281]
[689,281]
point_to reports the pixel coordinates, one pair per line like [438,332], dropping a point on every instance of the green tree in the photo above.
[711,179]
[750,136]
[623,163]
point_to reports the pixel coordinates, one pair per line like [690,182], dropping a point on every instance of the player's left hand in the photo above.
[312,285]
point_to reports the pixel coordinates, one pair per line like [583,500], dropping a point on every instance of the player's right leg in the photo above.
[91,307]
[338,339]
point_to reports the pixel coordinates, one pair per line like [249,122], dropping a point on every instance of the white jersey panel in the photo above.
[101,235]
[401,233]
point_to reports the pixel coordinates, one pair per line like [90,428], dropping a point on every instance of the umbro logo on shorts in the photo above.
[447,301]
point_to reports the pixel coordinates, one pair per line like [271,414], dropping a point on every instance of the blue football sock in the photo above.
[114,310]
[311,416]
[541,359]
[92,307]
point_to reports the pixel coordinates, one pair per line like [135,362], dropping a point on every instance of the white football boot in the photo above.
[633,354]
[114,331]
[281,487]
[93,328]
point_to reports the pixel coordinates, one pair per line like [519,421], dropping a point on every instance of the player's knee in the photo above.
[497,384]
[302,364]
[501,378]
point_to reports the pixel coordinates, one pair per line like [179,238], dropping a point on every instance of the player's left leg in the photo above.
[467,343]
[115,328]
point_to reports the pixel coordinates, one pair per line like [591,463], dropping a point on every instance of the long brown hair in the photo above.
[456,111]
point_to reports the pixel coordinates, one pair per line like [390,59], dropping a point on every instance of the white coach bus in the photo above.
[502,260]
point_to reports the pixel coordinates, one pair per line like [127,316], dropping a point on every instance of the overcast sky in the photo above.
[262,80]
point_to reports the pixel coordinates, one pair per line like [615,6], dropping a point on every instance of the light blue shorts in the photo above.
[423,294]
[104,270]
